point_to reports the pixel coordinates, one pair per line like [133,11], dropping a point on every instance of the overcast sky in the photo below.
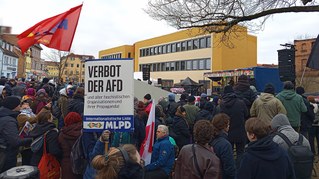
[105,24]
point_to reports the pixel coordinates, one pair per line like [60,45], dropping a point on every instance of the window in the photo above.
[152,51]
[83,66]
[164,49]
[147,52]
[303,47]
[172,66]
[201,65]
[183,46]
[158,67]
[159,49]
[168,48]
[178,47]
[71,64]
[173,47]
[195,44]
[167,66]
[183,65]
[195,64]
[207,64]
[141,53]
[202,43]
[129,55]
[66,72]
[189,45]
[177,66]
[155,50]
[77,65]
[66,65]
[153,67]
[163,67]
[208,42]
[189,65]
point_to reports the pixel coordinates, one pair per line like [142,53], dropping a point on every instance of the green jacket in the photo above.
[294,105]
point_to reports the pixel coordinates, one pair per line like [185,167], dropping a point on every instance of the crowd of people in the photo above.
[237,134]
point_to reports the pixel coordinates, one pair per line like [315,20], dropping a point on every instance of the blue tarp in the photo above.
[264,75]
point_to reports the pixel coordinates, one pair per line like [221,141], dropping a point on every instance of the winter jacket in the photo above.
[208,163]
[264,159]
[52,144]
[266,107]
[9,137]
[63,103]
[76,104]
[245,93]
[67,137]
[181,129]
[224,152]
[237,111]
[308,117]
[163,156]
[294,105]
[24,116]
[92,147]
[191,111]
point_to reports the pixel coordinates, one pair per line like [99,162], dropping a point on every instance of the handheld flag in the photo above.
[313,60]
[147,145]
[55,32]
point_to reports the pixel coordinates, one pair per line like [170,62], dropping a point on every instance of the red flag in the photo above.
[147,145]
[55,32]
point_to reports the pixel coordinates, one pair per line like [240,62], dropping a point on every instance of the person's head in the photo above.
[12,82]
[203,132]
[30,92]
[171,97]
[278,121]
[41,93]
[183,97]
[162,131]
[159,112]
[256,129]
[25,104]
[72,118]
[269,88]
[181,111]
[115,162]
[243,79]
[45,80]
[191,99]
[288,85]
[300,90]
[221,122]
[44,116]
[79,91]
[147,98]
[12,103]
[228,89]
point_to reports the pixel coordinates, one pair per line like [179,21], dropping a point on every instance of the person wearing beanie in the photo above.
[10,140]
[266,106]
[172,105]
[171,97]
[244,92]
[308,117]
[280,123]
[183,99]
[236,109]
[148,102]
[191,111]
[76,104]
[67,137]
[293,103]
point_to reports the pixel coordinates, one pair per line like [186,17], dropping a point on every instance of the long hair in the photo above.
[110,166]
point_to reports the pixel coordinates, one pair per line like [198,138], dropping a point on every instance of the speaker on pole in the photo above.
[286,64]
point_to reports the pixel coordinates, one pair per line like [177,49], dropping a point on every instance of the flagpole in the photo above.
[303,73]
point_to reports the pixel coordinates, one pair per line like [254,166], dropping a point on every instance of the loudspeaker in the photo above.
[146,73]
[286,64]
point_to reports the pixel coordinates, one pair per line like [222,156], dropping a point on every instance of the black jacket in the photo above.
[181,129]
[76,104]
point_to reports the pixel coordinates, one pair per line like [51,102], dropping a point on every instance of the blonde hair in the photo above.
[110,166]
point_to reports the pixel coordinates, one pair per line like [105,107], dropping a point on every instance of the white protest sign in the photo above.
[109,95]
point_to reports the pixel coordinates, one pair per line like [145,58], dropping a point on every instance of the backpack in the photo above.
[77,157]
[301,157]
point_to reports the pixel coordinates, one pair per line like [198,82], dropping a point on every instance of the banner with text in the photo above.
[109,95]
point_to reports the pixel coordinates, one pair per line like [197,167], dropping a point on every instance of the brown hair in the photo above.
[43,116]
[203,132]
[220,122]
[109,167]
[258,127]
[79,91]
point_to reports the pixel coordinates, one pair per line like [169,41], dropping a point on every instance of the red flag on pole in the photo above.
[55,32]
[147,145]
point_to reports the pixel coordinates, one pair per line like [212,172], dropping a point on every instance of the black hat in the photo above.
[300,90]
[191,99]
[243,78]
[45,80]
[228,89]
[148,97]
[269,88]
[11,102]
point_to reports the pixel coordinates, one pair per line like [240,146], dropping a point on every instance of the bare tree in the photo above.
[58,56]
[222,16]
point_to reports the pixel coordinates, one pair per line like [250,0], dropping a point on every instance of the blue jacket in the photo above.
[224,152]
[92,147]
[163,156]
[264,159]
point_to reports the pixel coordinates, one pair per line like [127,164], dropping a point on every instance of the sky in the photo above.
[105,24]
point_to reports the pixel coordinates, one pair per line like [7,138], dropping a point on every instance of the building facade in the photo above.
[8,57]
[188,53]
[73,67]
[52,69]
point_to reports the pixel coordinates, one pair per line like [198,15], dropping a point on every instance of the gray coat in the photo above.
[291,134]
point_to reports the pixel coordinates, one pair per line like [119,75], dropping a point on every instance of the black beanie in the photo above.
[243,78]
[300,90]
[45,80]
[148,97]
[269,88]
[228,89]
[11,102]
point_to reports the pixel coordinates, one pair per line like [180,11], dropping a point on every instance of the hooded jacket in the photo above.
[294,105]
[266,107]
[63,102]
[264,159]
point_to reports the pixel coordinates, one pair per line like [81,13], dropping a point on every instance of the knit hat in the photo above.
[30,92]
[45,80]
[228,89]
[11,102]
[171,97]
[148,97]
[279,120]
[243,78]
[300,90]
[72,118]
[191,99]
[269,88]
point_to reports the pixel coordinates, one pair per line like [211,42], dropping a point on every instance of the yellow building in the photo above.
[28,63]
[73,67]
[188,53]
[52,69]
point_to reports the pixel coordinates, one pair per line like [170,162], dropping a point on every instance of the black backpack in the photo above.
[301,157]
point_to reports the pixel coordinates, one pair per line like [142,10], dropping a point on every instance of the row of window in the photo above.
[8,60]
[71,72]
[197,64]
[118,55]
[72,65]
[193,44]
